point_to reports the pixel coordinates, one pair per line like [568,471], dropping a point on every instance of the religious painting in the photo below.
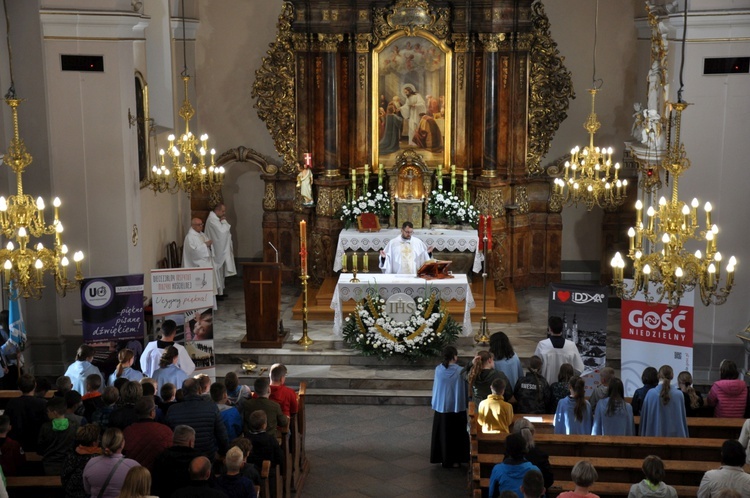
[411,98]
[142,124]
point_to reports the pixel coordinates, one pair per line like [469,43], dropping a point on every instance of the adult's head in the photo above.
[407,230]
[168,329]
[262,387]
[584,474]
[566,372]
[408,90]
[88,435]
[277,373]
[190,387]
[234,460]
[200,469]
[85,353]
[515,446]
[204,382]
[145,407]
[728,370]
[220,210]
[653,469]
[242,443]
[526,429]
[149,385]
[196,224]
[555,325]
[130,392]
[167,391]
[500,346]
[137,483]
[231,381]
[184,435]
[533,484]
[27,383]
[650,376]
[125,357]
[218,393]
[732,453]
[113,441]
[168,356]
[110,395]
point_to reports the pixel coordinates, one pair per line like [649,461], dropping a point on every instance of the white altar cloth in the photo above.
[441,240]
[451,289]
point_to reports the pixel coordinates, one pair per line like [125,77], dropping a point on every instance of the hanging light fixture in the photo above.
[663,269]
[590,177]
[22,220]
[188,169]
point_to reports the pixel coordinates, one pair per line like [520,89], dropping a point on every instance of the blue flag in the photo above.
[15,319]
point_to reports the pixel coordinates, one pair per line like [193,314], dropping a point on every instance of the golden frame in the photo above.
[443,158]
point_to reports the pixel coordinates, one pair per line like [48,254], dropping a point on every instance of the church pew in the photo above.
[300,465]
[698,427]
[34,486]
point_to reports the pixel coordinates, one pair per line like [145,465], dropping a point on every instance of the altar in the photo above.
[385,285]
[441,240]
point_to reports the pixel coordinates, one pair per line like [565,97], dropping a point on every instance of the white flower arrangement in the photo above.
[449,207]
[378,202]
[424,335]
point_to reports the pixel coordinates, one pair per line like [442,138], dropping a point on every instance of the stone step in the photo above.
[369,397]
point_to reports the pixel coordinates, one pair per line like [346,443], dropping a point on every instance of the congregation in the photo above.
[172,434]
[494,387]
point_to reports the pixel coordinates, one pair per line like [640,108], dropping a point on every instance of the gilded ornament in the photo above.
[244,155]
[330,42]
[300,42]
[410,16]
[460,42]
[330,200]
[362,71]
[363,43]
[274,91]
[550,90]
[460,68]
[491,41]
[363,15]
[318,72]
[490,201]
[487,14]
[524,41]
[498,266]
[269,197]
[504,65]
[522,200]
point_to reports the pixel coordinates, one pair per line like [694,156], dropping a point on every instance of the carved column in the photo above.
[329,45]
[490,138]
[362,93]
[461,110]
[303,90]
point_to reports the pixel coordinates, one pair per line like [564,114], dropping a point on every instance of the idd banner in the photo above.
[653,335]
[112,308]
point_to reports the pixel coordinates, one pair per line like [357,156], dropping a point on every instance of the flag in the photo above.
[15,319]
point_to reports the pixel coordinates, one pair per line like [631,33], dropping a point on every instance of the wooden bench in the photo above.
[34,486]
[618,459]
[699,427]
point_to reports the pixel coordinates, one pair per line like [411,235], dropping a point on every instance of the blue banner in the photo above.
[112,308]
[15,319]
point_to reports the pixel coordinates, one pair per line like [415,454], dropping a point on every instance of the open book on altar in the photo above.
[433,268]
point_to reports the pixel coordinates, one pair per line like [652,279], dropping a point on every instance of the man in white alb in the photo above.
[218,231]
[404,254]
[556,350]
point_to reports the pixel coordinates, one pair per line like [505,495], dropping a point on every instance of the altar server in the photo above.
[405,254]
[218,231]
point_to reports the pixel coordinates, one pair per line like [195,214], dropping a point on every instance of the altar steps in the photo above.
[501,307]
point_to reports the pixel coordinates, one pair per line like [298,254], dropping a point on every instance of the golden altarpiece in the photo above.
[416,86]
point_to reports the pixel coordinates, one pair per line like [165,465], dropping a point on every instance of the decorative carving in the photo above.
[362,71]
[300,15]
[269,197]
[460,15]
[522,200]
[491,41]
[326,15]
[460,42]
[363,15]
[274,91]
[363,43]
[490,201]
[498,262]
[330,42]
[318,72]
[504,66]
[550,90]
[524,41]
[330,200]
[487,14]
[300,42]
[302,75]
[409,16]
[244,155]
[460,68]
[496,14]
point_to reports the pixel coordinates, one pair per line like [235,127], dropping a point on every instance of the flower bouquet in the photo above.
[445,207]
[378,202]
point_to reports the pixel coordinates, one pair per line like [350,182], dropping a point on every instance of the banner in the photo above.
[186,295]
[112,308]
[583,309]
[15,319]
[653,335]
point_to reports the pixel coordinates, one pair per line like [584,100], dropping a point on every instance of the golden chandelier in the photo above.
[21,218]
[666,274]
[590,177]
[189,170]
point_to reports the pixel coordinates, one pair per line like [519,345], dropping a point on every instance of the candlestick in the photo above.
[366,263]
[354,261]
[380,174]
[343,263]
[440,177]
[303,245]
[453,178]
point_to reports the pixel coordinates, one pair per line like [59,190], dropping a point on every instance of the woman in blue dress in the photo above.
[124,368]
[450,441]
[663,412]
[613,416]
[168,371]
[506,360]
[573,415]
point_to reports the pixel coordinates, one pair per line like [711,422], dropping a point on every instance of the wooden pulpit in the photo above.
[262,284]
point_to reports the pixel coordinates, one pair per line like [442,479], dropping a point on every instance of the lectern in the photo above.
[262,284]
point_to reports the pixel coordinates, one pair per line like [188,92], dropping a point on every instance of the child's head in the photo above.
[606,375]
[110,395]
[167,392]
[584,474]
[653,469]
[231,381]
[498,386]
[73,400]
[261,387]
[93,383]
[650,376]
[277,373]
[258,421]
[244,444]
[56,407]
[63,384]
[219,392]
[533,484]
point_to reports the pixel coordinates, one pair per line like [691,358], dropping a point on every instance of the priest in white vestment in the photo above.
[196,250]
[404,254]
[218,231]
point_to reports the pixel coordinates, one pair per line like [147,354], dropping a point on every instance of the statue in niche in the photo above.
[410,183]
[304,184]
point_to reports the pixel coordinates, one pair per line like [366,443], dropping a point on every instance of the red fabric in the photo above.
[11,457]
[90,395]
[286,398]
[145,440]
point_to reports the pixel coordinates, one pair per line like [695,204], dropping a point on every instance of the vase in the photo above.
[385,221]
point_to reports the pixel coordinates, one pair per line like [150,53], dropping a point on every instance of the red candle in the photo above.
[488,229]
[303,245]
[481,232]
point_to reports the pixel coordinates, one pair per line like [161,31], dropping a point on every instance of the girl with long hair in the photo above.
[663,412]
[612,415]
[535,455]
[506,360]
[450,441]
[532,390]
[480,374]
[137,484]
[561,389]
[573,415]
[693,399]
[124,368]
[729,393]
[168,371]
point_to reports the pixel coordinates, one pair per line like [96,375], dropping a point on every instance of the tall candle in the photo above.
[380,174]
[303,245]
[343,262]
[354,261]
[488,229]
[366,263]
[354,183]
[440,177]
[481,232]
[366,179]
[453,178]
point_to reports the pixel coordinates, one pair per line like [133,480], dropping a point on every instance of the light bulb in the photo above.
[717,257]
[638,205]
[685,209]
[10,246]
[733,261]
[665,238]
[64,249]
[678,272]
[22,232]
[64,261]
[39,246]
[38,264]
[646,270]
[707,207]
[170,137]
[3,204]
[59,227]
[651,211]
[40,203]
[694,203]
[715,229]
[631,232]
[698,254]
[711,268]
[56,202]
[78,256]
[8,265]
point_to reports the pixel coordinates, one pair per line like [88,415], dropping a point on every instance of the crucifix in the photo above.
[260,283]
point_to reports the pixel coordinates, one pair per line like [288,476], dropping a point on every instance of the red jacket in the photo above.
[145,440]
[729,396]
[286,398]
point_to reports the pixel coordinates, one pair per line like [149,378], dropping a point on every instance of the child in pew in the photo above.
[56,437]
[534,454]
[653,485]
[480,374]
[532,390]
[600,392]
[264,446]
[248,471]
[92,400]
[650,379]
[663,413]
[509,474]
[583,476]
[494,414]
[693,399]
[12,458]
[533,485]
[561,388]
[613,416]
[573,415]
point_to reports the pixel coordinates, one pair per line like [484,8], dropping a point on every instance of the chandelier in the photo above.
[590,177]
[21,217]
[188,169]
[665,275]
